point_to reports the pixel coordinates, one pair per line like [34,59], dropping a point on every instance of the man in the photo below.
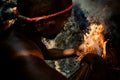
[23,52]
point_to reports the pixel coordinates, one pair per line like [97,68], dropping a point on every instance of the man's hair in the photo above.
[35,8]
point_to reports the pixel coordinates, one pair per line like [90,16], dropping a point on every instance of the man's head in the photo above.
[50,27]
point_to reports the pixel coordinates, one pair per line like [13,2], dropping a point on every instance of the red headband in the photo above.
[47,16]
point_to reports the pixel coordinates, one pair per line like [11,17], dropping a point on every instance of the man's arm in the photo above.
[55,53]
[60,53]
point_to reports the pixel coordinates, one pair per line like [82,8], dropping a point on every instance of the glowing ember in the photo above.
[93,42]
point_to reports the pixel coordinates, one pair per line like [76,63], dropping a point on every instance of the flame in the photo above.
[93,42]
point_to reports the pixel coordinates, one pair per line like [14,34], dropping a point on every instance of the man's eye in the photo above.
[51,23]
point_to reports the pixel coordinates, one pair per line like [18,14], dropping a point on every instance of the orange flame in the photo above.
[93,42]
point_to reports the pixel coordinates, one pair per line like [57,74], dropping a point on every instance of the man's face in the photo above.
[51,27]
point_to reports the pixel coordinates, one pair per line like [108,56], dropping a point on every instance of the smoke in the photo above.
[97,10]
[102,12]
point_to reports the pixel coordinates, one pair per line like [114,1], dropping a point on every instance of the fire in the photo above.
[93,42]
